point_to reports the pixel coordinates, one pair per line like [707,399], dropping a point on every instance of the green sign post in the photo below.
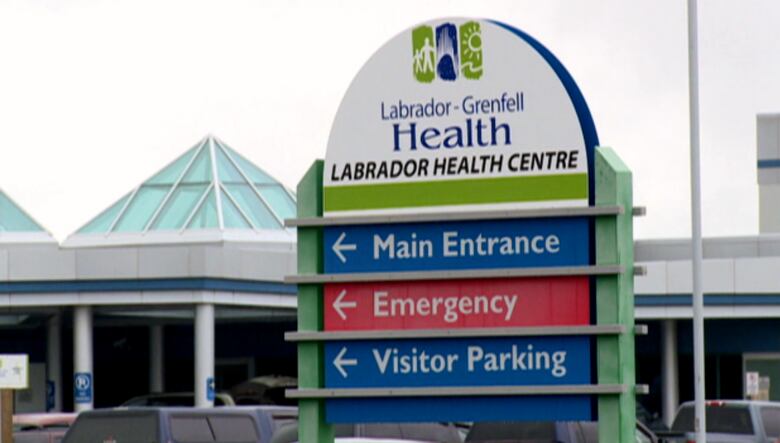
[311,374]
[615,298]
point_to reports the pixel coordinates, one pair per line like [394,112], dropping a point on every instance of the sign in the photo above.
[211,392]
[751,383]
[82,387]
[512,361]
[509,302]
[50,395]
[14,371]
[470,122]
[457,245]
[459,114]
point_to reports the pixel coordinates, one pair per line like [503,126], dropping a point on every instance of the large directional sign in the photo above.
[457,245]
[511,361]
[457,304]
[465,145]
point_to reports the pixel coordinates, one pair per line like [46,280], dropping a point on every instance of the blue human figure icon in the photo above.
[447,50]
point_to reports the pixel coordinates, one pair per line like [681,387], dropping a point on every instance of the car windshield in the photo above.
[724,419]
[125,428]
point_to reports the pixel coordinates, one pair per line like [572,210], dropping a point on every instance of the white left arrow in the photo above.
[339,362]
[338,247]
[339,304]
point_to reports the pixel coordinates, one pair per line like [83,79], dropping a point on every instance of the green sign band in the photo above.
[536,188]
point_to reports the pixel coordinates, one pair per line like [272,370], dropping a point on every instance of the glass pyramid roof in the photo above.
[210,186]
[14,219]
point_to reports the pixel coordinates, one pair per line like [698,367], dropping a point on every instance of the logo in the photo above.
[82,382]
[447,52]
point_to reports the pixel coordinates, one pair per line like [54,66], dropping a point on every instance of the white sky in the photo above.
[95,96]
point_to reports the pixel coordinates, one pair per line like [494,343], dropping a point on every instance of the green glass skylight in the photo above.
[209,186]
[14,219]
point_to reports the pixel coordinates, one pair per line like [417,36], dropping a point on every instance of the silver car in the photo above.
[733,421]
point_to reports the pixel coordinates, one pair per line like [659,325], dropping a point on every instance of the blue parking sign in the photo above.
[210,391]
[82,387]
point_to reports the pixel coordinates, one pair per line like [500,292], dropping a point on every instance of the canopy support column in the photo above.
[83,379]
[204,355]
[669,375]
[156,359]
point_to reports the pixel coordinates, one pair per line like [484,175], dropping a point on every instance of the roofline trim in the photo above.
[29,237]
[173,237]
[134,285]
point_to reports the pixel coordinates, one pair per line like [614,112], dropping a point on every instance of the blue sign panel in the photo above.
[487,244]
[82,387]
[504,361]
[50,391]
[211,393]
[405,409]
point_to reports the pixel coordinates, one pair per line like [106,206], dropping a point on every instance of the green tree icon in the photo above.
[423,54]
[471,50]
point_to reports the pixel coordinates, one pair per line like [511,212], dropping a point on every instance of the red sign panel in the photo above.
[560,301]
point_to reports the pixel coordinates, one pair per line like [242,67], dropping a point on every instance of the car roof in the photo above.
[175,394]
[736,402]
[166,410]
[286,411]
[45,419]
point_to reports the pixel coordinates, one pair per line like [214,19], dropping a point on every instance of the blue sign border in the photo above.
[589,134]
[407,409]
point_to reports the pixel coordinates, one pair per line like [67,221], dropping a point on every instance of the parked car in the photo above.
[733,421]
[652,420]
[163,399]
[41,428]
[168,425]
[425,432]
[271,418]
[546,432]
[264,390]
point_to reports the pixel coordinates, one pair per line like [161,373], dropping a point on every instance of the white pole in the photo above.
[204,354]
[156,354]
[54,361]
[82,359]
[670,378]
[696,245]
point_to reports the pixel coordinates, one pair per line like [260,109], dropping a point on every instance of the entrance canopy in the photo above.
[17,226]
[208,188]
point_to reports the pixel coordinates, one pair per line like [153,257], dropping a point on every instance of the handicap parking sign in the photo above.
[82,387]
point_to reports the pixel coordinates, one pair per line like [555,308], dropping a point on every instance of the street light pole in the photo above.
[696,242]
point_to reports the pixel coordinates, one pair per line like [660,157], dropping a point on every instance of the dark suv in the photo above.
[167,425]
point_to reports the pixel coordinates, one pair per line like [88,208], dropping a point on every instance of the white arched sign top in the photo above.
[459,114]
